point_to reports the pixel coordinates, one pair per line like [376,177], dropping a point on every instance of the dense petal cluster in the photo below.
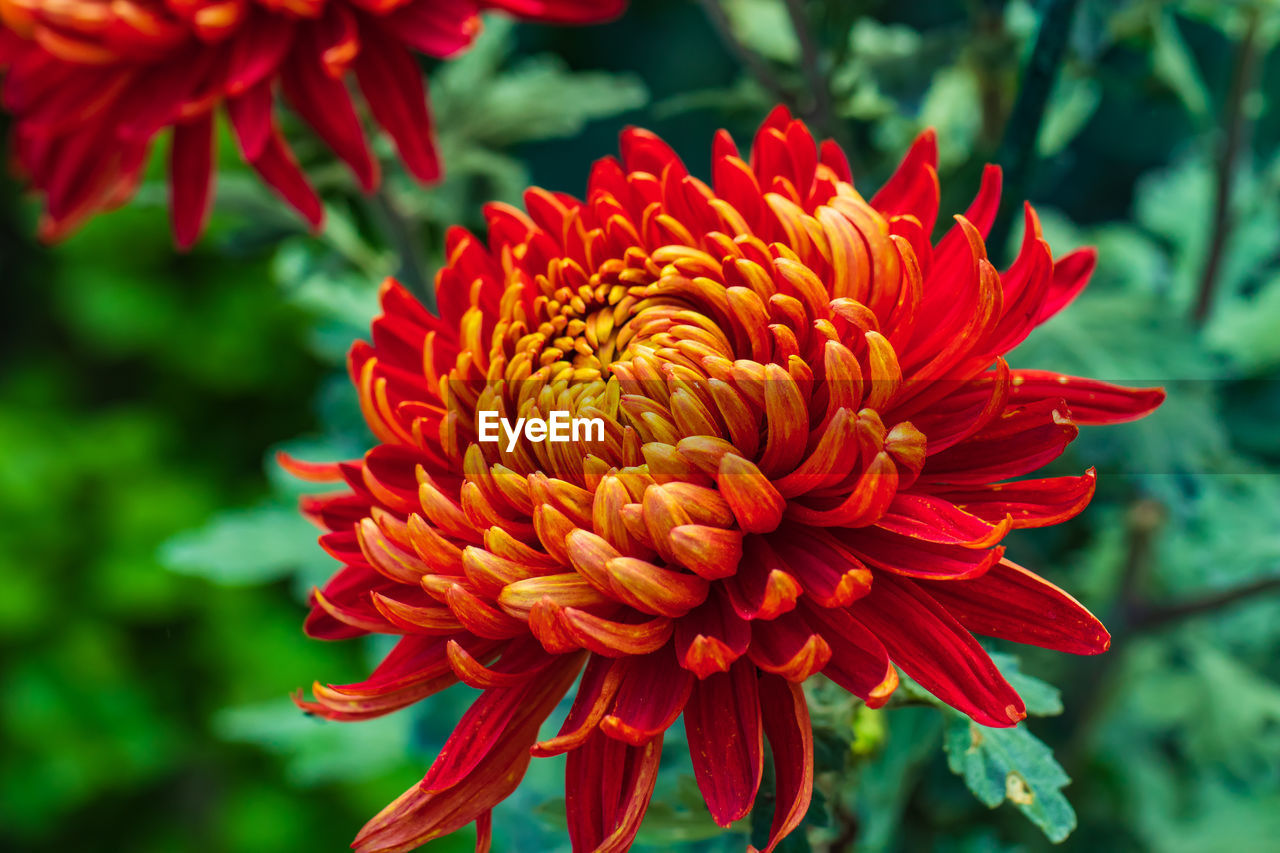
[807,422]
[91,83]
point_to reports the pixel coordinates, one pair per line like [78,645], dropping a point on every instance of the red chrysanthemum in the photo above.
[807,416]
[92,82]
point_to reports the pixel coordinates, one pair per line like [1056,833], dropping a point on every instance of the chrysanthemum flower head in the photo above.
[91,83]
[808,429]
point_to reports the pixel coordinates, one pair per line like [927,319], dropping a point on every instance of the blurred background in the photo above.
[153,568]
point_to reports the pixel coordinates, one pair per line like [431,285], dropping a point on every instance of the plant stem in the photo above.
[1135,617]
[753,62]
[1158,616]
[1018,149]
[811,62]
[1236,122]
[406,247]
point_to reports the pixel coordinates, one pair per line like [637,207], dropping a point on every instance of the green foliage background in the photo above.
[152,567]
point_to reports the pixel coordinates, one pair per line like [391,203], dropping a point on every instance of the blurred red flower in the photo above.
[808,419]
[90,84]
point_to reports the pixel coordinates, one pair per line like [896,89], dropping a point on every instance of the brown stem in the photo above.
[753,62]
[1017,153]
[1153,617]
[810,63]
[1142,523]
[848,823]
[1235,120]
[1135,616]
[1144,519]
[400,233]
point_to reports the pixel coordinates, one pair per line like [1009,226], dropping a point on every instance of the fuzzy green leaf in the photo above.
[1011,764]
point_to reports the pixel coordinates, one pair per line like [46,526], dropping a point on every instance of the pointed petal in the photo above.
[653,692]
[278,167]
[1030,503]
[419,815]
[785,716]
[934,649]
[913,189]
[191,178]
[859,662]
[1012,603]
[593,698]
[1020,441]
[1090,401]
[722,722]
[711,637]
[392,84]
[491,716]
[932,519]
[607,789]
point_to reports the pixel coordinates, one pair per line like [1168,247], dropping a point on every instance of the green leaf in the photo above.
[318,750]
[764,26]
[1011,764]
[1174,65]
[884,783]
[482,103]
[1041,698]
[1072,103]
[1245,329]
[249,546]
[953,107]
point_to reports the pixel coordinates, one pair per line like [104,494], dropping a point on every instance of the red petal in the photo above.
[934,649]
[789,647]
[594,695]
[149,107]
[952,248]
[644,151]
[258,50]
[325,105]
[912,557]
[1018,442]
[1012,603]
[250,115]
[1070,275]
[607,789]
[722,721]
[652,694]
[279,169]
[414,669]
[913,189]
[418,816]
[522,659]
[490,717]
[615,639]
[932,519]
[343,608]
[392,84]
[833,157]
[948,417]
[859,662]
[711,637]
[786,723]
[191,177]
[561,11]
[827,571]
[761,589]
[313,472]
[436,29]
[1090,401]
[1030,503]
